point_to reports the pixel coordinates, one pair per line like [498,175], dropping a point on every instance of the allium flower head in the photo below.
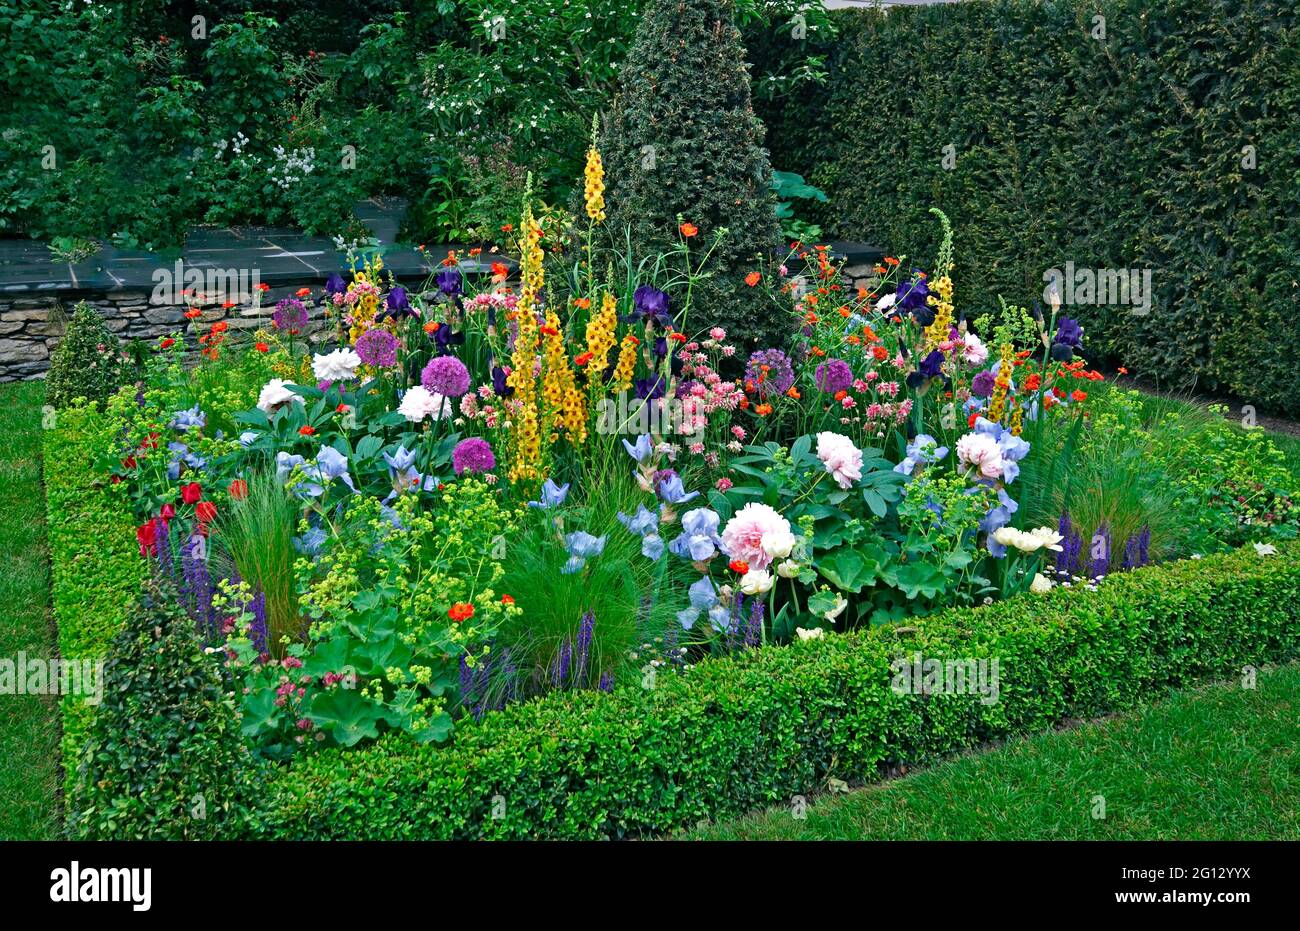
[834,375]
[289,314]
[446,375]
[473,455]
[377,347]
[770,372]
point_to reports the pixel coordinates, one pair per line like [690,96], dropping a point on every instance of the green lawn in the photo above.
[29,731]
[1221,762]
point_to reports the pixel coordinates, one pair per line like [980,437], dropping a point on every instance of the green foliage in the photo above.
[683,144]
[164,759]
[93,585]
[87,363]
[1123,152]
[751,731]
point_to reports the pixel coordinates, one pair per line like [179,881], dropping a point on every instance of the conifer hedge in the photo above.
[1128,151]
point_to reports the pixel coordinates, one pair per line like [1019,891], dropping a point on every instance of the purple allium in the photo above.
[377,347]
[834,375]
[290,314]
[473,455]
[981,386]
[446,375]
[770,372]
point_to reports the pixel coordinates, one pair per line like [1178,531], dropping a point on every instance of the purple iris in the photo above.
[931,367]
[650,388]
[651,304]
[499,386]
[334,284]
[450,282]
[1068,340]
[699,540]
[444,339]
[398,304]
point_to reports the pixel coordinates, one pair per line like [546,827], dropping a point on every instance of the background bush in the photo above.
[1117,153]
[87,364]
[683,143]
[165,759]
[729,736]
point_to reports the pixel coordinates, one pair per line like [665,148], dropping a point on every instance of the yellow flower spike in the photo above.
[600,338]
[626,364]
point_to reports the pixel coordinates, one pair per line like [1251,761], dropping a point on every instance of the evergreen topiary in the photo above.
[87,363]
[683,140]
[165,758]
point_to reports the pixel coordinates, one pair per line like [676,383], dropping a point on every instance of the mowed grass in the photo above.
[1221,762]
[29,732]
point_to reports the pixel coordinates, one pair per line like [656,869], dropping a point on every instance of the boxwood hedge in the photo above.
[729,736]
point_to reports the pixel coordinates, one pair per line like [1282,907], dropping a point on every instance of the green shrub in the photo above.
[738,734]
[683,143]
[165,759]
[1161,146]
[87,363]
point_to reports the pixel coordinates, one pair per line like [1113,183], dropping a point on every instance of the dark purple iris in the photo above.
[931,367]
[1069,339]
[650,388]
[444,339]
[334,284]
[912,294]
[499,382]
[450,282]
[650,304]
[398,304]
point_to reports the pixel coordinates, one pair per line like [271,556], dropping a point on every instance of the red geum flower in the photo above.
[738,566]
[460,611]
[1079,396]
[261,347]
[582,359]
[689,230]
[753,278]
[303,292]
[205,512]
[507,599]
[191,493]
[239,489]
[193,313]
[307,430]
[167,343]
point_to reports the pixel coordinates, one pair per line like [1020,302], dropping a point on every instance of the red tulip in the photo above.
[191,493]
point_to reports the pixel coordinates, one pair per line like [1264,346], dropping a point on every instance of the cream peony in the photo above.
[779,544]
[789,569]
[339,365]
[745,533]
[840,604]
[756,582]
[1041,584]
[815,634]
[842,459]
[275,393]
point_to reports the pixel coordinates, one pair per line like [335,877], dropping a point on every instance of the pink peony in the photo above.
[842,459]
[981,452]
[743,536]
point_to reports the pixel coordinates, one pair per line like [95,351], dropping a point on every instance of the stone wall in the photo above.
[31,326]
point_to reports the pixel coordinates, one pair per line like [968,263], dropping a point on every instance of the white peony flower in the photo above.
[789,569]
[756,582]
[778,543]
[973,350]
[419,403]
[1048,538]
[840,604]
[339,365]
[842,459]
[1265,549]
[815,634]
[1041,584]
[274,393]
[980,451]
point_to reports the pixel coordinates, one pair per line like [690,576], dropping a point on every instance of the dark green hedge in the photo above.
[730,736]
[1115,154]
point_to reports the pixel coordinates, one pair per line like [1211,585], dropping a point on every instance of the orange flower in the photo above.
[793,393]
[431,327]
[677,337]
[262,347]
[167,343]
[689,230]
[1079,396]
[263,286]
[763,410]
[738,566]
[753,278]
[193,314]
[303,292]
[890,260]
[583,359]
[229,304]
[307,430]
[582,303]
[507,599]
[549,330]
[500,271]
[461,611]
[880,352]
[1034,382]
[841,395]
[818,351]
[1122,370]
